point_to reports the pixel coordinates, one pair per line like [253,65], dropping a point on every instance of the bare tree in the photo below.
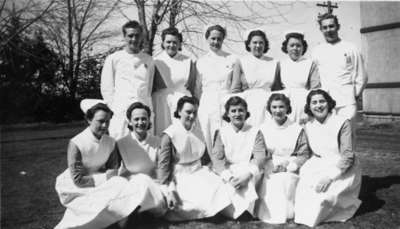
[29,13]
[73,27]
[193,15]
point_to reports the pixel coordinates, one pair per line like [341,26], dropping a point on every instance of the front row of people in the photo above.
[276,172]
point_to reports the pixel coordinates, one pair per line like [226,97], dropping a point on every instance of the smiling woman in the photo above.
[330,180]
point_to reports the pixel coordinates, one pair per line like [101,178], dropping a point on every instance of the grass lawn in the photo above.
[31,159]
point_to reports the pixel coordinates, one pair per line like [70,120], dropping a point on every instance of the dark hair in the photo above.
[329,99]
[328,16]
[297,36]
[133,25]
[234,101]
[257,33]
[173,32]
[185,99]
[215,27]
[138,105]
[279,97]
[98,107]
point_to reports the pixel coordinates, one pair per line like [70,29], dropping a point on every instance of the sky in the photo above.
[296,15]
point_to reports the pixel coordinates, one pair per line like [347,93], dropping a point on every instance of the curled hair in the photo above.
[216,27]
[181,102]
[132,25]
[98,107]
[296,36]
[173,32]
[257,33]
[234,101]
[279,97]
[331,102]
[328,16]
[137,105]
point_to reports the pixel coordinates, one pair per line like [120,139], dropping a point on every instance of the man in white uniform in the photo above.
[127,77]
[341,67]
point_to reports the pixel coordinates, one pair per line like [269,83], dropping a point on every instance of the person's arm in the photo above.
[236,85]
[197,89]
[78,171]
[107,81]
[259,155]
[277,83]
[165,161]
[301,153]
[113,163]
[217,155]
[360,77]
[191,82]
[313,81]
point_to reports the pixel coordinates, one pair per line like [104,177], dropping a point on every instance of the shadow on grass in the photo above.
[369,187]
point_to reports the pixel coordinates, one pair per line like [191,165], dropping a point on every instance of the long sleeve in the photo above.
[114,161]
[107,82]
[346,147]
[301,153]
[314,80]
[277,84]
[360,77]
[198,83]
[165,161]
[259,154]
[79,173]
[217,155]
[237,78]
[191,82]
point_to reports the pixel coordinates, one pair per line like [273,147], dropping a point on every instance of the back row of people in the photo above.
[276,172]
[129,75]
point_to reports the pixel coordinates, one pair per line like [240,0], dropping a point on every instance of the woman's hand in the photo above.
[323,184]
[279,169]
[172,200]
[303,119]
[241,181]
[111,172]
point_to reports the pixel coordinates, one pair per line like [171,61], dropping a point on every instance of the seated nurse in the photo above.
[200,192]
[90,190]
[139,151]
[330,180]
[238,155]
[288,145]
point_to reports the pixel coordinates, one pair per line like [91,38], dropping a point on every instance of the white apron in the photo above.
[340,201]
[140,159]
[277,191]
[238,148]
[259,74]
[175,73]
[294,76]
[202,193]
[214,71]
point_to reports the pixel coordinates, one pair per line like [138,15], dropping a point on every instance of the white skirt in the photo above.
[103,205]
[242,199]
[338,203]
[257,102]
[277,194]
[202,194]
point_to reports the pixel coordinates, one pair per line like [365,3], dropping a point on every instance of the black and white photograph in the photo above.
[196,114]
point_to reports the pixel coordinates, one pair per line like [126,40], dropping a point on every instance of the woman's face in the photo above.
[188,115]
[100,122]
[237,115]
[139,121]
[171,44]
[295,48]
[257,45]
[215,40]
[279,111]
[319,107]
